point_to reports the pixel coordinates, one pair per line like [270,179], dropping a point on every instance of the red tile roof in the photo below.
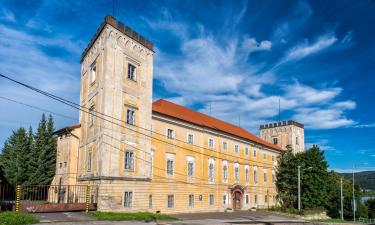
[170,109]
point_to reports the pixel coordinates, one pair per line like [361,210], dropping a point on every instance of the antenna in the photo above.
[279,108]
[239,120]
[210,108]
[113,8]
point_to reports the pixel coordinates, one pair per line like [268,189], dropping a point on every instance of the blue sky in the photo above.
[317,57]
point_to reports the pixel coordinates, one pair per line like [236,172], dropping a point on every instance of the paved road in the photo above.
[215,218]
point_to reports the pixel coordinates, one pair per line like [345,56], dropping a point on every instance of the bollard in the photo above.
[18,195]
[87,198]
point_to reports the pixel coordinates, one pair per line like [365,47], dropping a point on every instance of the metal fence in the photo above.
[7,197]
[48,198]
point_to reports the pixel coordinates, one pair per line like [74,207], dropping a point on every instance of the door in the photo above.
[237,200]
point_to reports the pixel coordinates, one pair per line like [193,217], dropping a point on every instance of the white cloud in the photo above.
[305,49]
[8,16]
[251,45]
[307,95]
[365,125]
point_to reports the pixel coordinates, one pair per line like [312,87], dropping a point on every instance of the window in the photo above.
[236,172]
[225,200]
[128,199]
[274,140]
[89,161]
[265,198]
[265,175]
[93,72]
[190,139]
[236,148]
[255,199]
[225,171]
[273,158]
[255,153]
[210,143]
[264,155]
[255,175]
[129,160]
[247,199]
[211,170]
[273,176]
[191,200]
[170,167]
[91,112]
[297,141]
[225,145]
[170,201]
[246,151]
[170,134]
[65,164]
[132,72]
[150,201]
[190,168]
[247,174]
[130,116]
[60,165]
[212,199]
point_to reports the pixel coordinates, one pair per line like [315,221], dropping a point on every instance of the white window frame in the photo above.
[130,116]
[172,134]
[236,148]
[170,158]
[247,150]
[264,155]
[247,174]
[265,175]
[188,138]
[132,77]
[191,200]
[275,142]
[247,199]
[225,172]
[128,202]
[170,204]
[93,72]
[209,142]
[190,160]
[211,199]
[211,176]
[225,199]
[131,160]
[255,175]
[236,172]
[255,153]
[225,145]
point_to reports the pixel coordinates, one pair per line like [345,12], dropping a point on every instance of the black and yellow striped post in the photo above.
[18,196]
[87,198]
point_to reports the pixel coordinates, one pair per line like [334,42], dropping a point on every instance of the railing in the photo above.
[48,198]
[7,197]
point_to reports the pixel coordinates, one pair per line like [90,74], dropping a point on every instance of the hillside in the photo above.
[365,178]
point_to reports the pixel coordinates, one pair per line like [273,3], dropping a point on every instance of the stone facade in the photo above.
[285,133]
[127,150]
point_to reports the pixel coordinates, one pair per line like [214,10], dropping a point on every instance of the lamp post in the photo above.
[299,186]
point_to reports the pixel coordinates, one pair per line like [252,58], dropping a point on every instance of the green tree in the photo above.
[371,208]
[15,157]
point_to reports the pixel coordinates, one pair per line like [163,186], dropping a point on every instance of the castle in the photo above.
[160,156]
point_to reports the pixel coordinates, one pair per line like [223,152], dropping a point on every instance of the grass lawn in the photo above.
[146,216]
[13,218]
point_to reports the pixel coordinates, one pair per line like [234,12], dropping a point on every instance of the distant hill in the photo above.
[365,178]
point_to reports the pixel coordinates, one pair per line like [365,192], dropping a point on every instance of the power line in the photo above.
[76,120]
[81,108]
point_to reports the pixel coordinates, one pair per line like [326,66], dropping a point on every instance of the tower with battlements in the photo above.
[283,134]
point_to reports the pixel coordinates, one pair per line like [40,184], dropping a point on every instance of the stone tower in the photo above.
[116,93]
[284,133]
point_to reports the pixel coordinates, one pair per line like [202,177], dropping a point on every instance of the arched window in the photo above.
[211,173]
[236,171]
[255,175]
[247,174]
[225,171]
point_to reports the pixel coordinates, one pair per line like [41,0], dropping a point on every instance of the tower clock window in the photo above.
[132,72]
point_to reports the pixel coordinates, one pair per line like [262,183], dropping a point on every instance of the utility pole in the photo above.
[342,199]
[299,188]
[354,207]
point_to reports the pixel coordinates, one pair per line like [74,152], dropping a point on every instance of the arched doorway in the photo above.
[237,199]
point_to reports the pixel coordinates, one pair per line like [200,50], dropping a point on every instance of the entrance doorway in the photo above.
[237,199]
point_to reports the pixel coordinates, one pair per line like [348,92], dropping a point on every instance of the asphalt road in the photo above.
[215,218]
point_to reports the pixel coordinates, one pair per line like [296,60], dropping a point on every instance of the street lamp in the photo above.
[354,201]
[299,186]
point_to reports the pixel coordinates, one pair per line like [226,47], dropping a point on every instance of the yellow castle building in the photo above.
[159,156]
